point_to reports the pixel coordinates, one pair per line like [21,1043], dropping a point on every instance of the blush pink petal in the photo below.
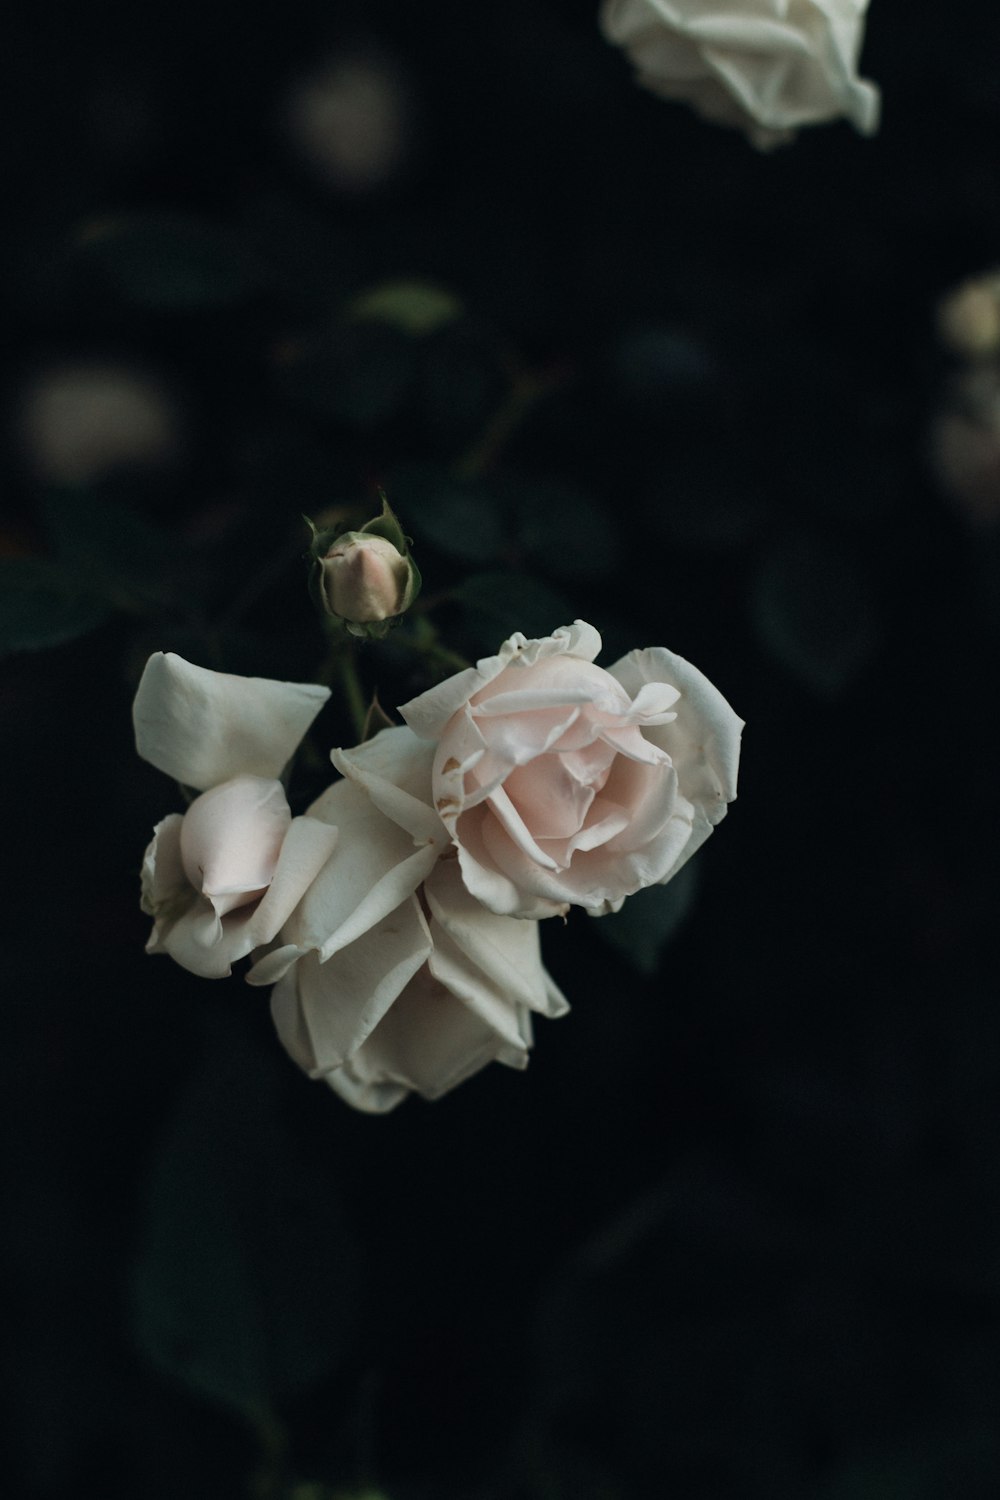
[231,838]
[428,714]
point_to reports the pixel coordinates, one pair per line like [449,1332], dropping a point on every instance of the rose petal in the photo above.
[204,727]
[372,870]
[704,740]
[428,714]
[307,847]
[504,950]
[428,1041]
[394,770]
[344,998]
[231,838]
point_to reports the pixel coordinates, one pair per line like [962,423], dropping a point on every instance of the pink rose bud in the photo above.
[364,579]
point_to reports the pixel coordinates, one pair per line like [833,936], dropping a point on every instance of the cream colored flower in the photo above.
[389,977]
[221,879]
[766,66]
[564,784]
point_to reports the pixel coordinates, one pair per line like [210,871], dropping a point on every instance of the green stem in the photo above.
[524,393]
[350,681]
[268,1480]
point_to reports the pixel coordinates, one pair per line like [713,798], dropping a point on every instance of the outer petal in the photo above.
[768,65]
[428,1042]
[165,889]
[704,740]
[372,871]
[307,847]
[394,771]
[231,838]
[428,714]
[204,727]
[505,951]
[344,999]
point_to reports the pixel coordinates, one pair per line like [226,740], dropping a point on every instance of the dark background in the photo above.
[736,1232]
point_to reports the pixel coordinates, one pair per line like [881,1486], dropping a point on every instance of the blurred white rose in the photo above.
[351,120]
[564,784]
[389,976]
[221,879]
[78,422]
[766,66]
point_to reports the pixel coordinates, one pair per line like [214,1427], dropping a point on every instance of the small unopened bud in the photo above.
[366,578]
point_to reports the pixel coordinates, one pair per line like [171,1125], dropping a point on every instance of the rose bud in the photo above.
[366,578]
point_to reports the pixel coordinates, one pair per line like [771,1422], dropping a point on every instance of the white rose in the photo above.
[562,783]
[389,977]
[222,878]
[767,66]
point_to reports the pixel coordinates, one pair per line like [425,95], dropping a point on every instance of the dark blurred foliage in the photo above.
[736,1232]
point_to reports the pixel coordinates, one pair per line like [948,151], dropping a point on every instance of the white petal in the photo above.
[374,1098]
[372,870]
[307,847]
[704,740]
[504,950]
[394,770]
[204,727]
[344,998]
[289,1022]
[428,1041]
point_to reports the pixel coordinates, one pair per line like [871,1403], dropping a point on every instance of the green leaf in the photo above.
[497,604]
[246,1286]
[361,374]
[814,610]
[414,307]
[461,519]
[650,919]
[43,604]
[171,262]
[563,529]
[123,556]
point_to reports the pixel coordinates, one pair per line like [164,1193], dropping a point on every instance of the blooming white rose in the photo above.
[768,66]
[223,878]
[391,978]
[562,783]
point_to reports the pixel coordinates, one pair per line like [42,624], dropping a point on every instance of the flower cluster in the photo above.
[398,920]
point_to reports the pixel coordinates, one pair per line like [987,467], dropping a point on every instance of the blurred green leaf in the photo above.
[563,529]
[173,262]
[246,1284]
[934,1466]
[497,604]
[124,556]
[814,610]
[43,604]
[649,919]
[360,374]
[414,307]
[460,518]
